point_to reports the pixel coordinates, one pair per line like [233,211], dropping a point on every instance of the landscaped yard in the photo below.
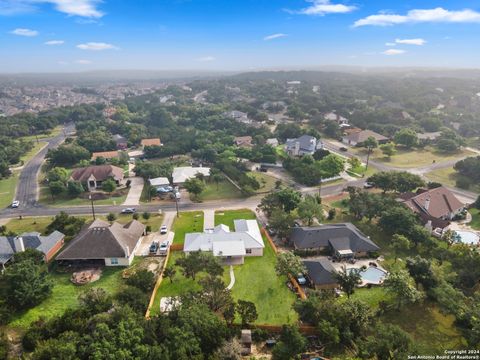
[65,294]
[224,190]
[7,190]
[413,158]
[448,176]
[66,201]
[187,222]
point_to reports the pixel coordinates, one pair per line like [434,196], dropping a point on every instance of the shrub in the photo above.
[111,217]
[146,215]
[135,216]
[331,214]
[142,279]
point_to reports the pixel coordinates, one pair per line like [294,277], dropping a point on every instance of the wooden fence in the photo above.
[157,285]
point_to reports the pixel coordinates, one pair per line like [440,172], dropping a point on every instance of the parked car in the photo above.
[163,229]
[164,247]
[343,148]
[164,189]
[15,204]
[153,247]
[128,211]
[301,279]
[368,185]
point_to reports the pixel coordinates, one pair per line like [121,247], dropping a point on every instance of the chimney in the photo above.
[427,203]
[127,251]
[19,245]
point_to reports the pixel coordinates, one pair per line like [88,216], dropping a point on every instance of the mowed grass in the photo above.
[475,223]
[448,176]
[267,182]
[227,217]
[65,296]
[52,133]
[223,190]
[64,200]
[414,158]
[7,190]
[188,222]
[34,151]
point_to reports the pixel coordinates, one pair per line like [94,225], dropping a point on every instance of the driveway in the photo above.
[208,219]
[136,187]
[143,249]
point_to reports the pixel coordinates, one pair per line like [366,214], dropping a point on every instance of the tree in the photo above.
[67,155]
[354,162]
[56,188]
[169,272]
[109,186]
[142,279]
[111,217]
[27,284]
[310,209]
[291,343]
[146,215]
[332,129]
[229,312]
[95,301]
[406,137]
[388,149]
[33,255]
[281,222]
[247,311]
[230,350]
[217,178]
[398,218]
[288,199]
[194,186]
[133,297]
[421,271]
[58,174]
[74,188]
[348,280]
[289,264]
[399,243]
[401,285]
[390,342]
[215,295]
[191,264]
[69,225]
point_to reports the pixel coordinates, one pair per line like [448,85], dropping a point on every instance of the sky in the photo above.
[236,35]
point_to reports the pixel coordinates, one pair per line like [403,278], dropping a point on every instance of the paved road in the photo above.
[27,187]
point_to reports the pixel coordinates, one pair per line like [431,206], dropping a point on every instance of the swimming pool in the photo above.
[372,275]
[466,237]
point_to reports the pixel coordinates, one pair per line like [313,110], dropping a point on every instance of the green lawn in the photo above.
[30,154]
[227,217]
[54,132]
[475,219]
[187,222]
[66,201]
[65,294]
[372,296]
[7,190]
[448,176]
[413,158]
[267,182]
[224,190]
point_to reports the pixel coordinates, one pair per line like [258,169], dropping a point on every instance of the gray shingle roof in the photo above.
[320,271]
[101,240]
[307,143]
[341,236]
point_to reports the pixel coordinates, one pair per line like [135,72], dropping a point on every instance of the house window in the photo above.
[248,251]
[114,261]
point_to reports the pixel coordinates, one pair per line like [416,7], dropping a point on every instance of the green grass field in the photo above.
[54,132]
[224,190]
[187,222]
[30,154]
[7,190]
[448,176]
[65,294]
[267,182]
[227,217]
[475,224]
[66,201]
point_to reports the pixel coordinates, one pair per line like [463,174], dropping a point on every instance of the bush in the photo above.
[128,183]
[148,229]
[142,279]
[146,215]
[135,216]
[111,217]
[133,297]
[331,214]
[463,182]
[260,335]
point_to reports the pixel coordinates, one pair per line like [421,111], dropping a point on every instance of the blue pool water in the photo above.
[466,237]
[372,275]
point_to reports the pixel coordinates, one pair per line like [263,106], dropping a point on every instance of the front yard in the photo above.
[64,200]
[187,222]
[223,190]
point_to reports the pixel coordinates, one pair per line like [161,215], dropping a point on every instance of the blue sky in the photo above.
[76,35]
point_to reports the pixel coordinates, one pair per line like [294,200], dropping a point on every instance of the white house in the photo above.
[232,247]
[183,173]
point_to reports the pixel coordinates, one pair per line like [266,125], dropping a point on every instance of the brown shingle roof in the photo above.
[101,240]
[105,154]
[151,142]
[362,136]
[99,172]
[438,202]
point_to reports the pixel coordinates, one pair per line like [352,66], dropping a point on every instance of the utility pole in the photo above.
[368,159]
[93,208]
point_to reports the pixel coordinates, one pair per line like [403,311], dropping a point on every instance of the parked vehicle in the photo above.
[343,149]
[15,204]
[153,247]
[128,211]
[163,229]
[301,279]
[368,185]
[164,247]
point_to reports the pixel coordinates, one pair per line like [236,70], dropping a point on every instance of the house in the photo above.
[183,173]
[359,137]
[272,142]
[340,120]
[429,135]
[48,245]
[343,240]
[436,207]
[106,155]
[320,273]
[93,176]
[150,142]
[102,243]
[120,141]
[231,246]
[304,145]
[243,141]
[238,116]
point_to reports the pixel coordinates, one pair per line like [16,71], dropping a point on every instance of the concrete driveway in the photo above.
[143,249]
[136,187]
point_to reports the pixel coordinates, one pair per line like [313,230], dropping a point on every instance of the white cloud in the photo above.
[274,36]
[421,15]
[96,46]
[206,59]
[24,32]
[323,7]
[391,52]
[84,8]
[54,42]
[83,62]
[418,42]
[390,44]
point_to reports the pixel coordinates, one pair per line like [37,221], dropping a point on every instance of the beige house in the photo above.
[93,176]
